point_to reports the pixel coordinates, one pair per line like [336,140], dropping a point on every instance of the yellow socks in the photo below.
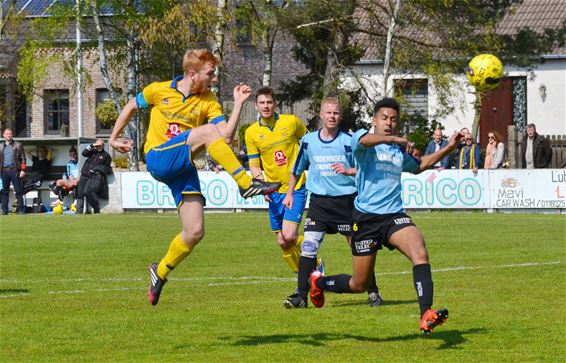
[177,252]
[224,156]
[293,254]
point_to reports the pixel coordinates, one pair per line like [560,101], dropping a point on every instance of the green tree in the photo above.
[434,39]
[323,31]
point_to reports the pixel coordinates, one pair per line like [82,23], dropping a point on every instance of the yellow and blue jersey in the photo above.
[172,113]
[274,146]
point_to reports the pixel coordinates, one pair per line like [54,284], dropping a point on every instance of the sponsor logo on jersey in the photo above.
[173,131]
[280,158]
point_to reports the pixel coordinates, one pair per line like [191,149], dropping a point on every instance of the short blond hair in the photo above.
[195,58]
[332,100]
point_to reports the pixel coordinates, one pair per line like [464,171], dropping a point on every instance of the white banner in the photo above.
[446,189]
[141,191]
[535,188]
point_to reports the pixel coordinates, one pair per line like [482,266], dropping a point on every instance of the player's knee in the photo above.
[193,235]
[419,254]
[311,244]
[309,249]
[290,238]
[358,285]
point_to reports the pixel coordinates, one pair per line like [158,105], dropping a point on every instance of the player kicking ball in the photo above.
[379,218]
[185,119]
[327,155]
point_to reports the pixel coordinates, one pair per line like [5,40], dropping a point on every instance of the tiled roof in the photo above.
[536,15]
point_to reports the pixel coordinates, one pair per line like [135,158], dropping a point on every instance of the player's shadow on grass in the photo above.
[13,291]
[365,302]
[451,338]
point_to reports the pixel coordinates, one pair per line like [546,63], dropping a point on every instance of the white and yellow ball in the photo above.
[485,72]
[58,209]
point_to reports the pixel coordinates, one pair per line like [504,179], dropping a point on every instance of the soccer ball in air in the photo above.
[485,72]
[58,209]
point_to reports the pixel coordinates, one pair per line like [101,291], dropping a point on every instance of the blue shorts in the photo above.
[171,164]
[278,213]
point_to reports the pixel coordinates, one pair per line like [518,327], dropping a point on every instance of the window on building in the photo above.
[102,95]
[56,112]
[414,95]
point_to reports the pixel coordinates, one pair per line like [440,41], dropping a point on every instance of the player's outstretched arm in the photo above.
[241,93]
[427,161]
[369,140]
[121,122]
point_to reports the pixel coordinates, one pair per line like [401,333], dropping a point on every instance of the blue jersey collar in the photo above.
[276,117]
[174,86]
[328,141]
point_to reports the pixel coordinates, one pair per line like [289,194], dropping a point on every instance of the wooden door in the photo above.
[497,111]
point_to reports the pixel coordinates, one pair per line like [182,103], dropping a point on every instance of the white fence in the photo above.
[447,189]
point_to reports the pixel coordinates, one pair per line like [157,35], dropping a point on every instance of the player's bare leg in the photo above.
[191,213]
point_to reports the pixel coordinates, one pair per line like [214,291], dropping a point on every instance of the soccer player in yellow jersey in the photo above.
[273,143]
[185,119]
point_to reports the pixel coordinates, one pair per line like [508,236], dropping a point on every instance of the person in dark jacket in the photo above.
[468,155]
[92,182]
[537,152]
[13,163]
[436,144]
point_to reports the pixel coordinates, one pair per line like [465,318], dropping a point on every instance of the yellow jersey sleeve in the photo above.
[213,109]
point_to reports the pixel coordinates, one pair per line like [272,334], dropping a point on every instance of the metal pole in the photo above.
[79,72]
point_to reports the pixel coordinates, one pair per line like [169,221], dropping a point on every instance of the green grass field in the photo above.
[73,288]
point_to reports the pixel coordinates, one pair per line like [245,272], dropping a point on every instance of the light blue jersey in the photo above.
[379,176]
[317,156]
[73,169]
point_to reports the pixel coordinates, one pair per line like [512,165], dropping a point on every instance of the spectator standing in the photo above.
[537,153]
[469,155]
[438,142]
[494,152]
[13,162]
[92,182]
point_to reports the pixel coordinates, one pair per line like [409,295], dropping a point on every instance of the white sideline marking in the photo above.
[244,280]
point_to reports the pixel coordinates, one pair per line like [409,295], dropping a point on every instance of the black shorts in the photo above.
[330,214]
[372,231]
